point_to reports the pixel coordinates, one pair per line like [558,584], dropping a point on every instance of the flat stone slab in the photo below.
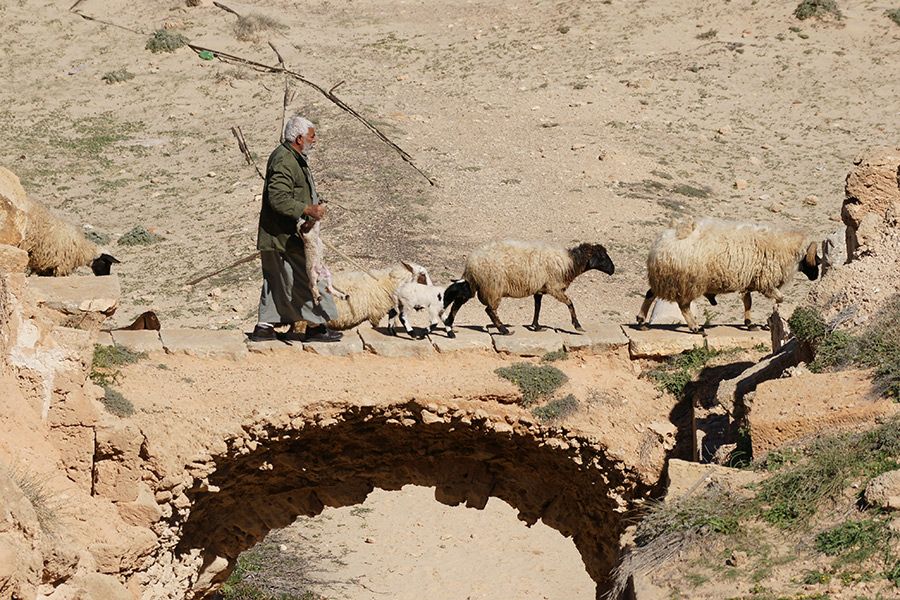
[727,337]
[523,342]
[351,343]
[104,338]
[596,339]
[467,338]
[792,408]
[202,343]
[382,344]
[659,341]
[76,294]
[145,340]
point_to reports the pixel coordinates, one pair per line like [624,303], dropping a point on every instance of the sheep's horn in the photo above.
[811,258]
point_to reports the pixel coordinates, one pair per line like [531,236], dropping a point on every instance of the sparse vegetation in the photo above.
[707,35]
[557,409]
[877,346]
[818,9]
[249,28]
[104,369]
[554,356]
[45,503]
[534,381]
[893,14]
[678,371]
[165,41]
[138,236]
[115,403]
[118,76]
[243,584]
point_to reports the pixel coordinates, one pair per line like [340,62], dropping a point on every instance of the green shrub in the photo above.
[249,28]
[560,354]
[534,381]
[117,76]
[139,236]
[106,359]
[115,403]
[893,14]
[679,370]
[714,510]
[806,325]
[97,237]
[857,540]
[556,409]
[818,9]
[163,41]
[707,35]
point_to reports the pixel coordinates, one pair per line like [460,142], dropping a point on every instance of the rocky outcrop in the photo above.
[870,188]
[13,209]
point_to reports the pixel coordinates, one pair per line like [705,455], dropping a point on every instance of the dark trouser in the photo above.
[286,297]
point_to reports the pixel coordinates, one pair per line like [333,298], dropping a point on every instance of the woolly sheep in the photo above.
[513,269]
[705,257]
[370,298]
[418,296]
[57,248]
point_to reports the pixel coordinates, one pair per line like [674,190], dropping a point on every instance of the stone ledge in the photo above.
[382,344]
[523,342]
[467,338]
[228,343]
[76,294]
[138,341]
[596,339]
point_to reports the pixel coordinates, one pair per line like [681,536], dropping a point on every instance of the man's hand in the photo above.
[316,211]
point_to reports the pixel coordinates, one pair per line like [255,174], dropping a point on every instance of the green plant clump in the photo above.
[117,76]
[556,409]
[817,8]
[554,356]
[806,325]
[715,510]
[858,540]
[534,381]
[107,358]
[117,404]
[674,376]
[97,237]
[164,41]
[707,35]
[893,14]
[139,236]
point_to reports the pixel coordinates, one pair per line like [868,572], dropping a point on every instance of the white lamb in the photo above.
[314,251]
[418,296]
[371,293]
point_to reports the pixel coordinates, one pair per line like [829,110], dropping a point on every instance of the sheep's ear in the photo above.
[811,256]
[408,266]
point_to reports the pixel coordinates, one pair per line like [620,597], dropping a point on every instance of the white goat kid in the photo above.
[316,270]
[419,296]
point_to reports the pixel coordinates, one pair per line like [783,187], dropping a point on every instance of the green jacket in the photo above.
[285,196]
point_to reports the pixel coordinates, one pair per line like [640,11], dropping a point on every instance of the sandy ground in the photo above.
[564,121]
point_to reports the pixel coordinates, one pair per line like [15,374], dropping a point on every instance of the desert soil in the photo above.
[563,121]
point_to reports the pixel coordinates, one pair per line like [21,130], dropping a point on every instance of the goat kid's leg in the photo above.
[537,312]
[406,326]
[649,297]
[437,320]
[689,318]
[392,314]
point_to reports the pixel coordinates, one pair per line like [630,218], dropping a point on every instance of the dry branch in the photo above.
[225,8]
[225,57]
[242,144]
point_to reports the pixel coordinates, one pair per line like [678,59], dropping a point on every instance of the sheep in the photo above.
[57,248]
[512,269]
[705,257]
[371,295]
[418,296]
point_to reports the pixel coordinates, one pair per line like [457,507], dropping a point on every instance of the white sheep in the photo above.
[705,257]
[512,269]
[57,248]
[419,296]
[370,297]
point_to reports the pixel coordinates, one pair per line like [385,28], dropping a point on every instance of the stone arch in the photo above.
[293,466]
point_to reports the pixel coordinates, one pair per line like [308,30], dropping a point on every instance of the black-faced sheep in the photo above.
[705,257]
[512,269]
[370,297]
[418,296]
[57,248]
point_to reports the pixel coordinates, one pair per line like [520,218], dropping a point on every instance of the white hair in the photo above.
[297,126]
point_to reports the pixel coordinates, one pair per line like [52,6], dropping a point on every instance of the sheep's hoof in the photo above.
[642,326]
[535,327]
[752,326]
[504,331]
[450,334]
[392,332]
[579,328]
[418,336]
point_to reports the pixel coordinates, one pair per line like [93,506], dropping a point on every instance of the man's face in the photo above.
[307,142]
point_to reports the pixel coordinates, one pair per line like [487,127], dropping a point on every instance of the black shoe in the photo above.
[263,334]
[321,333]
[290,336]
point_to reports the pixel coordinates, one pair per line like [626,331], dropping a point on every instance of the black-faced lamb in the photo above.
[513,269]
[419,296]
[705,257]
[370,295]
